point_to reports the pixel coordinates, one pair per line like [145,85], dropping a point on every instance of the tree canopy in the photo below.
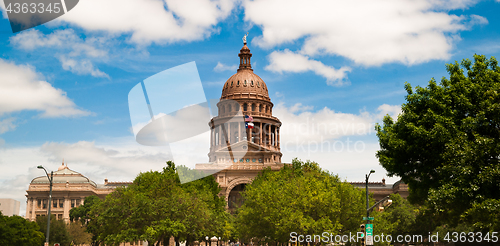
[58,231]
[156,207]
[446,143]
[299,198]
[16,230]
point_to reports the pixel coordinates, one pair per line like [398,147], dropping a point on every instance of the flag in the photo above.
[249,125]
[248,118]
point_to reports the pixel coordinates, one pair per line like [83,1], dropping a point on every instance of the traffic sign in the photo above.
[368,218]
[369,234]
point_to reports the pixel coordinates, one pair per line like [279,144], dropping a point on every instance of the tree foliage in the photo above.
[156,207]
[16,230]
[58,231]
[78,234]
[400,218]
[299,198]
[446,143]
[83,214]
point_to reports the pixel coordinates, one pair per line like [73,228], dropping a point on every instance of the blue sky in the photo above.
[341,64]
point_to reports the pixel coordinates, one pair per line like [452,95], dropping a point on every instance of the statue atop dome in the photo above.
[245,38]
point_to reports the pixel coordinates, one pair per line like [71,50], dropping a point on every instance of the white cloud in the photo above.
[22,88]
[81,67]
[477,20]
[391,110]
[368,32]
[287,61]
[78,53]
[7,125]
[222,67]
[303,124]
[67,38]
[342,143]
[151,20]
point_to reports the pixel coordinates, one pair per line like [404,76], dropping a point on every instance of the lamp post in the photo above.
[50,202]
[367,201]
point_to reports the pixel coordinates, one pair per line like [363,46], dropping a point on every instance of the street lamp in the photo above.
[50,202]
[367,201]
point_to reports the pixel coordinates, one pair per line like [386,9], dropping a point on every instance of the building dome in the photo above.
[64,175]
[245,83]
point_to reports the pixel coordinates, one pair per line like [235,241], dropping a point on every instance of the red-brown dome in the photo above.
[245,83]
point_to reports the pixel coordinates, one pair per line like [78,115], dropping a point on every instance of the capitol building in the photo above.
[244,140]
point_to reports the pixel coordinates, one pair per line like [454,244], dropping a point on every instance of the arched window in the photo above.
[232,83]
[245,83]
[245,107]
[230,108]
[253,106]
[238,84]
[251,83]
[260,108]
[258,83]
[236,107]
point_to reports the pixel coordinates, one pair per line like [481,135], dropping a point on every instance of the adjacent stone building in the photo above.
[9,206]
[69,190]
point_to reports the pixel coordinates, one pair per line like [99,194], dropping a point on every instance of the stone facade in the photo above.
[9,206]
[69,190]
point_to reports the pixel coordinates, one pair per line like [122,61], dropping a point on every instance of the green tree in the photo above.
[58,230]
[156,207]
[398,219]
[299,198]
[84,215]
[446,143]
[78,234]
[17,231]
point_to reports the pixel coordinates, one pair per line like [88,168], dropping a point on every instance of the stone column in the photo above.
[67,207]
[211,138]
[28,208]
[220,136]
[260,134]
[229,132]
[275,136]
[250,133]
[269,136]
[278,131]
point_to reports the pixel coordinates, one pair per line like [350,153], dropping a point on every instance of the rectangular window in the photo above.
[44,203]
[39,204]
[59,216]
[61,202]
[72,203]
[78,202]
